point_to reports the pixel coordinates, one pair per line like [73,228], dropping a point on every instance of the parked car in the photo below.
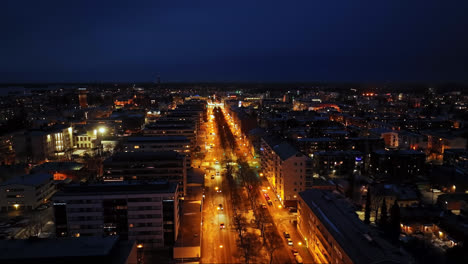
[299,259]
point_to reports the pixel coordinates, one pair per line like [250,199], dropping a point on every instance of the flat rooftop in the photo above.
[190,224]
[59,166]
[29,179]
[118,188]
[360,242]
[144,156]
[157,139]
[57,247]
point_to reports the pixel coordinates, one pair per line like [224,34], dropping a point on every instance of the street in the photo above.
[220,242]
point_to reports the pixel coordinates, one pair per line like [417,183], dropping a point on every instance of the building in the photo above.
[48,143]
[311,145]
[77,250]
[456,157]
[158,143]
[148,166]
[389,136]
[62,170]
[409,140]
[82,97]
[338,163]
[333,233]
[172,129]
[438,142]
[26,192]
[398,165]
[287,170]
[146,212]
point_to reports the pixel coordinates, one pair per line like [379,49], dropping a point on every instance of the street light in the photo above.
[139,254]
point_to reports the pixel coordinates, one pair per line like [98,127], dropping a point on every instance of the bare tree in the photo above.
[250,247]
[272,242]
[240,224]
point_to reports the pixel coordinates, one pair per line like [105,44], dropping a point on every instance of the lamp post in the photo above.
[139,253]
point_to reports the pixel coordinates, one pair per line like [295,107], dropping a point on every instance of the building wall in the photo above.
[170,170]
[183,147]
[27,197]
[287,177]
[319,242]
[136,217]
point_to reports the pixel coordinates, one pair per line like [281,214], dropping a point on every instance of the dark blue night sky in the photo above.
[254,40]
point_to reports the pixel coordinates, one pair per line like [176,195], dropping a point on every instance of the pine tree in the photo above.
[394,228]
[383,214]
[368,207]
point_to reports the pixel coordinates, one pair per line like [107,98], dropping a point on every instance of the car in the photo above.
[220,207]
[286,235]
[299,259]
[217,173]
[263,206]
[221,226]
[270,203]
[294,251]
[290,242]
[216,162]
[212,177]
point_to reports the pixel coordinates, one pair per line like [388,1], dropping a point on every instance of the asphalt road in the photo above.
[219,245]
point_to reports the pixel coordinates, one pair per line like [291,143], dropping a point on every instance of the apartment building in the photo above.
[146,212]
[179,144]
[149,166]
[333,233]
[286,169]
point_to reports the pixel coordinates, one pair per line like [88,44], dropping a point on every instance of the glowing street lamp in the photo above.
[140,246]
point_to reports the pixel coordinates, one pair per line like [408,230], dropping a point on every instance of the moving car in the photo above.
[290,242]
[220,207]
[221,226]
[286,235]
